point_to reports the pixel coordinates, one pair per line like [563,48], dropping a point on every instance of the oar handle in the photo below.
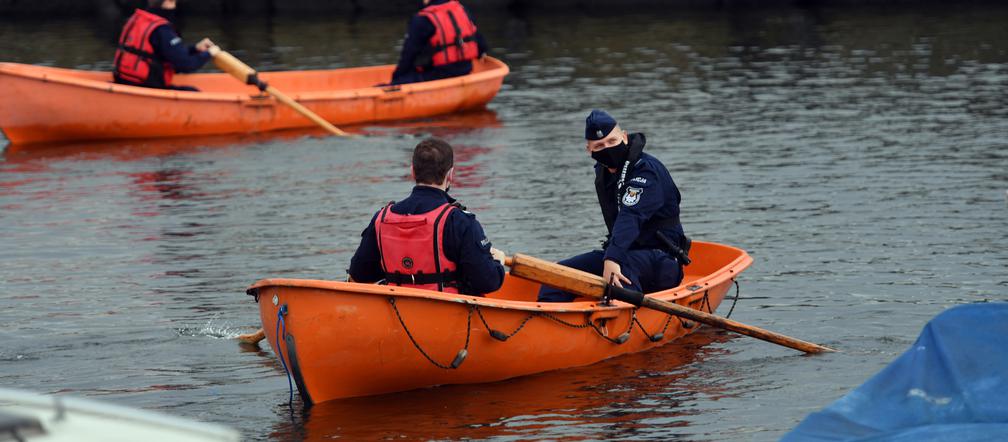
[233,66]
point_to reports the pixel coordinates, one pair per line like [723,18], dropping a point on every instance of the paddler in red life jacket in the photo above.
[428,240]
[441,42]
[646,246]
[151,52]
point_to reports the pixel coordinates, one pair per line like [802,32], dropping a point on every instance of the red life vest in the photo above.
[454,38]
[135,61]
[412,249]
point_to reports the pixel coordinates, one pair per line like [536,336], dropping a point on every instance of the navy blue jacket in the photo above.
[649,192]
[169,47]
[464,242]
[417,39]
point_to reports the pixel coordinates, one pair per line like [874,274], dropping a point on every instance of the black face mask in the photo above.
[612,157]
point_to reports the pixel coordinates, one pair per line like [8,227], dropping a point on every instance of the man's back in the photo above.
[418,59]
[464,244]
[151,51]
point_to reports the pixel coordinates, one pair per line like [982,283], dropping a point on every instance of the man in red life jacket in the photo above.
[442,41]
[427,240]
[151,51]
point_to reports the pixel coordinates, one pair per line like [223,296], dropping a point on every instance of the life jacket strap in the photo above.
[138,52]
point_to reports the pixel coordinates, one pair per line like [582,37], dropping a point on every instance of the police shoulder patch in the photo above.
[632,196]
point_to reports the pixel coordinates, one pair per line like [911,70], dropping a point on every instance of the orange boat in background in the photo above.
[45,104]
[345,339]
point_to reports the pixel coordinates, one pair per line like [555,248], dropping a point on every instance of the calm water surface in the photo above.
[860,156]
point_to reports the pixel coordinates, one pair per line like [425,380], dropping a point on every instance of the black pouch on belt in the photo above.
[680,255]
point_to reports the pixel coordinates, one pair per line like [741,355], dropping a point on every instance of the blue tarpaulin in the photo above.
[951,385]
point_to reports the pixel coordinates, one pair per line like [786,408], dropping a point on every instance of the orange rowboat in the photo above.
[45,104]
[344,339]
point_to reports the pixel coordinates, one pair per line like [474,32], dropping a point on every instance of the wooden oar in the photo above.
[228,63]
[252,338]
[587,284]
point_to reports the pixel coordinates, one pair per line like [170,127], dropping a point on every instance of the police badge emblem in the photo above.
[632,196]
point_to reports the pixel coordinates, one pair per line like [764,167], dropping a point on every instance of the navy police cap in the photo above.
[598,125]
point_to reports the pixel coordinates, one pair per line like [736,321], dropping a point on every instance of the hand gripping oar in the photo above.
[587,284]
[228,63]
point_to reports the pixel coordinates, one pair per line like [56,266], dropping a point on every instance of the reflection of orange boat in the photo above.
[129,150]
[43,104]
[546,406]
[344,339]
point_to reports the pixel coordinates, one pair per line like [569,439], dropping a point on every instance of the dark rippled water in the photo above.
[860,155]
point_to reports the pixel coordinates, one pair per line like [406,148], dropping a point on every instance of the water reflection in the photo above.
[36,155]
[137,150]
[640,395]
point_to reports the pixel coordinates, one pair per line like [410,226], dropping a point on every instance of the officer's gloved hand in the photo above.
[498,255]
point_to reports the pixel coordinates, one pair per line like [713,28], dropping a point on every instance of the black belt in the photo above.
[445,278]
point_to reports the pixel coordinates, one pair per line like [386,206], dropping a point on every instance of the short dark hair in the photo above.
[154,3]
[431,160]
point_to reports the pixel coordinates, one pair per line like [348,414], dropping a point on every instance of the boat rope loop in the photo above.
[459,357]
[501,336]
[621,338]
[705,301]
[657,336]
[497,334]
[688,324]
[561,321]
[737,290]
[280,322]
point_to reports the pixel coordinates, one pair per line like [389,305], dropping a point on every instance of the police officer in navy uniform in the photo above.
[151,51]
[646,246]
[428,240]
[441,42]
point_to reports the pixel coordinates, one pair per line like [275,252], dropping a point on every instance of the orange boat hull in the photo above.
[43,104]
[343,339]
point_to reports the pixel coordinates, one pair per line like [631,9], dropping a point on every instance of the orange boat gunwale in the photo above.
[71,77]
[686,289]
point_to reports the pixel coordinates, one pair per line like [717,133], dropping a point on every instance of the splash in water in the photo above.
[213,328]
